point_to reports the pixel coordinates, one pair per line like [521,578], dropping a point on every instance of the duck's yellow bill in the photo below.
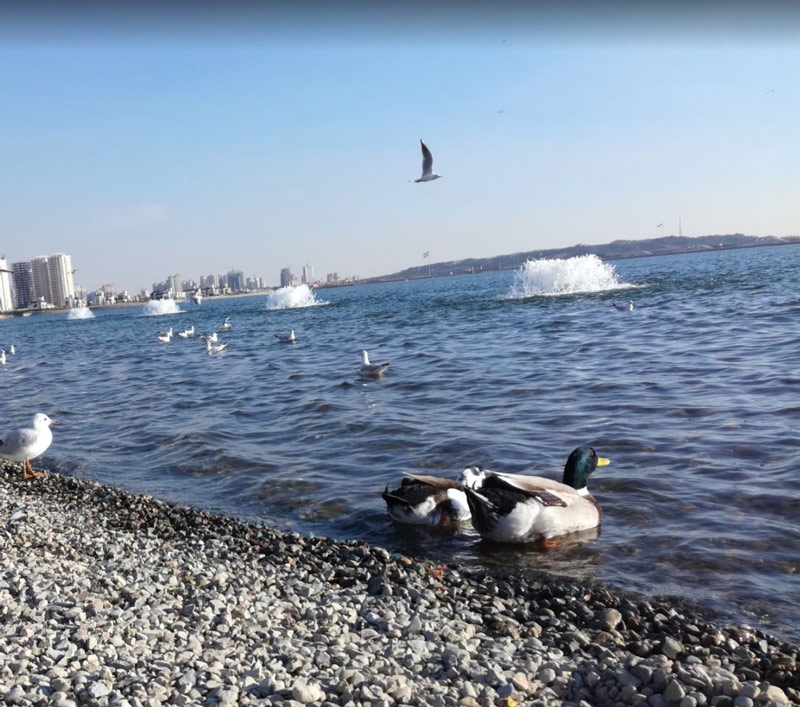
[602,461]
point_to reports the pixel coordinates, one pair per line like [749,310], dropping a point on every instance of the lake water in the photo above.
[694,396]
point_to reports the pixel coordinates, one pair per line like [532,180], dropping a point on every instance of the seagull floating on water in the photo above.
[623,307]
[166,337]
[427,165]
[12,349]
[2,358]
[186,333]
[371,369]
[28,443]
[213,338]
[215,348]
[289,338]
[226,325]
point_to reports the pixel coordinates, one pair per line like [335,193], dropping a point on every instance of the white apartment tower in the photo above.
[62,285]
[6,299]
[52,280]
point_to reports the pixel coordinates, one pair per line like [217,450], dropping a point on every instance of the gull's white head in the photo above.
[41,420]
[365,358]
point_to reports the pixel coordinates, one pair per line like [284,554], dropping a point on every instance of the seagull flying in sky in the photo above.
[427,165]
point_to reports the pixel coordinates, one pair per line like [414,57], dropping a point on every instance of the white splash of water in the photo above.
[80,313]
[292,298]
[159,307]
[559,276]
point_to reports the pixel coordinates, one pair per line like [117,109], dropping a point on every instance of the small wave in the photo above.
[80,313]
[560,276]
[292,298]
[158,307]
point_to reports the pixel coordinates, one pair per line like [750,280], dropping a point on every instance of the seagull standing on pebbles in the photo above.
[368,369]
[28,443]
[427,165]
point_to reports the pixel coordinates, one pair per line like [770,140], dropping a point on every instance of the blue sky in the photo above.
[199,146]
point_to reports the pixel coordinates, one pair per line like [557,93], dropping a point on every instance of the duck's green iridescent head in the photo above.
[582,462]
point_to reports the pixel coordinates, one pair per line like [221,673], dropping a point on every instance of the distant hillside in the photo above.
[616,250]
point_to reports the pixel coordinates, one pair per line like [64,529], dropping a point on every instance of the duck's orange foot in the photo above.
[548,544]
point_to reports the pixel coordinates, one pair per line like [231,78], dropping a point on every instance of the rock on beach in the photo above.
[114,598]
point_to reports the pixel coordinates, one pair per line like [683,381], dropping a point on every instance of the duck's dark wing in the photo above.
[427,159]
[409,494]
[527,487]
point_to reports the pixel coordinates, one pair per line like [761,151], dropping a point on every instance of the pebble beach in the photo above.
[114,598]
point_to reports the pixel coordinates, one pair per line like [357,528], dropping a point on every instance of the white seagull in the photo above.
[289,338]
[213,338]
[226,325]
[166,337]
[427,165]
[28,443]
[12,349]
[215,348]
[626,307]
[186,333]
[2,358]
[371,369]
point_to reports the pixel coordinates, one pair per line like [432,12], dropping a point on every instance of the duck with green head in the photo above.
[514,508]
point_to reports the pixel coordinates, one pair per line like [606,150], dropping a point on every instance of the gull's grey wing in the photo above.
[16,440]
[427,159]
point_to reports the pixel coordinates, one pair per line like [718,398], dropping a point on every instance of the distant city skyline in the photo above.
[152,144]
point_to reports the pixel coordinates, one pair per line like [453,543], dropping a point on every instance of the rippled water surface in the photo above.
[694,396]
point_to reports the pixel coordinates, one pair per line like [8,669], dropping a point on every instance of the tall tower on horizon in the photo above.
[6,295]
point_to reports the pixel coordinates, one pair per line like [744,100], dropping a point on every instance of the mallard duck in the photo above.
[514,508]
[427,500]
[370,370]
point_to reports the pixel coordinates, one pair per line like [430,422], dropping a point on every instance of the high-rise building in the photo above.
[6,295]
[236,280]
[23,284]
[287,278]
[308,274]
[41,280]
[62,285]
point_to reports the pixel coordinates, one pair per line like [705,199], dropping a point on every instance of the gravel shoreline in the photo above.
[114,598]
